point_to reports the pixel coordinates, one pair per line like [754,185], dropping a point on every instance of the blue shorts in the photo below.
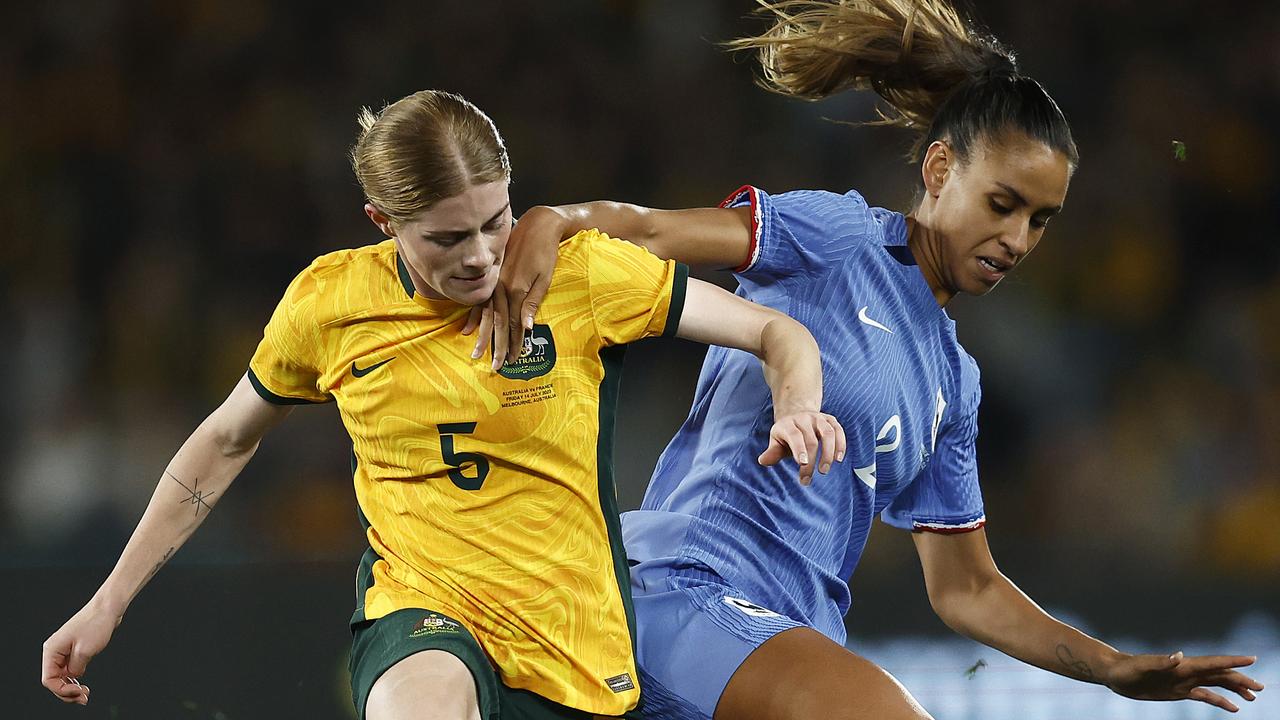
[693,632]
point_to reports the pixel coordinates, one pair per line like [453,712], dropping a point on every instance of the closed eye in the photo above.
[1000,209]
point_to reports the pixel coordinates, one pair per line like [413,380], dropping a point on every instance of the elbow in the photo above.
[229,442]
[957,604]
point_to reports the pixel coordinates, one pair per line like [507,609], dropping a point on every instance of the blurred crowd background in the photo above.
[168,167]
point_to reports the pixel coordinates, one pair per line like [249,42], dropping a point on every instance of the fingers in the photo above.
[500,334]
[59,680]
[532,301]
[773,454]
[1204,662]
[827,443]
[473,320]
[516,323]
[813,440]
[1238,683]
[486,330]
[842,444]
[1210,697]
[785,437]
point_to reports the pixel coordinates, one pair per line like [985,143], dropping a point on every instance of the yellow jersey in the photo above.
[486,496]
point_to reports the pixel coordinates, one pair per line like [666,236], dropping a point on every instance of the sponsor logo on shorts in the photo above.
[749,608]
[620,683]
[434,625]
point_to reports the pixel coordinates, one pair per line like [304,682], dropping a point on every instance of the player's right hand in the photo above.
[804,435]
[68,651]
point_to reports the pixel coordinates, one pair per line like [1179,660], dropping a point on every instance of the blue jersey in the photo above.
[896,378]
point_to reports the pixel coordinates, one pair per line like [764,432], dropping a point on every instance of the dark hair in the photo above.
[936,74]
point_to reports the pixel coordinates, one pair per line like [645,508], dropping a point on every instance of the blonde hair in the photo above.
[423,148]
[936,73]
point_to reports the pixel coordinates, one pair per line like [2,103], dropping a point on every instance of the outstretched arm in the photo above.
[792,368]
[975,599]
[191,485]
[700,237]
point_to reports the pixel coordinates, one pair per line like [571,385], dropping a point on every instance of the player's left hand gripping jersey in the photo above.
[487,496]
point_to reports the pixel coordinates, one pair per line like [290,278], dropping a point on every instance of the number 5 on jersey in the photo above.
[457,460]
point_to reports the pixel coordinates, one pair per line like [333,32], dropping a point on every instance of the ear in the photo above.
[937,166]
[382,221]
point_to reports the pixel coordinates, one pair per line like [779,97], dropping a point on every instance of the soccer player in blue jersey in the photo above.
[739,571]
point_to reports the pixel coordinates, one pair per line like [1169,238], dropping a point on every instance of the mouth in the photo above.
[470,281]
[994,269]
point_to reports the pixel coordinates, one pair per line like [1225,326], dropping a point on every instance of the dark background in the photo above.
[167,167]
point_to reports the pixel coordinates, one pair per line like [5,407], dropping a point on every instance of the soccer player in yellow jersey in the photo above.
[495,585]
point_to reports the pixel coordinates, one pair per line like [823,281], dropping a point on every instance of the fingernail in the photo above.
[804,459]
[825,468]
[840,457]
[528,322]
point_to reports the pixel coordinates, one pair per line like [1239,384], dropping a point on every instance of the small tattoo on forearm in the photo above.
[1080,667]
[195,497]
[167,554]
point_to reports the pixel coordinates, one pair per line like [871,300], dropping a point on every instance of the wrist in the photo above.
[551,217]
[786,405]
[104,602]
[1108,660]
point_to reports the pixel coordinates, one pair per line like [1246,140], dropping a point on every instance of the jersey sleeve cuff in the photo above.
[679,286]
[750,195]
[948,528]
[275,399]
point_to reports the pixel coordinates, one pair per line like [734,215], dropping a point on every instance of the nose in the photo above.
[1017,240]
[478,256]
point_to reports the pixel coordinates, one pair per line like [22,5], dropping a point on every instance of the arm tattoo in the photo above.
[167,554]
[1080,667]
[195,497]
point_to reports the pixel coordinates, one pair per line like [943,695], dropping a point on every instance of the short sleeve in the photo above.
[800,233]
[286,367]
[634,294]
[946,498]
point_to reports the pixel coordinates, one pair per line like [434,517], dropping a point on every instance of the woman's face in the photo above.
[989,213]
[454,250]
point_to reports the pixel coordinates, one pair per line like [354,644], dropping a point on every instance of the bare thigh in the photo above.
[429,685]
[800,674]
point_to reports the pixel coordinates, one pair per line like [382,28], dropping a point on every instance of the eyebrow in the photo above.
[1017,198]
[457,233]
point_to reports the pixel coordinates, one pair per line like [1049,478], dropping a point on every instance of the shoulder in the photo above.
[798,202]
[351,263]
[344,281]
[815,218]
[593,252]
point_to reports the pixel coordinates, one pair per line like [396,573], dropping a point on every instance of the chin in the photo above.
[476,297]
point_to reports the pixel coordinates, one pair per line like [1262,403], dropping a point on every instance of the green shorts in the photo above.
[379,644]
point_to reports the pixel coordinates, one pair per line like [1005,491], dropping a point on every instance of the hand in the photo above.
[804,433]
[1175,677]
[527,266]
[68,651]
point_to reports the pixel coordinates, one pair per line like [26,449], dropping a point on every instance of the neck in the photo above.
[419,284]
[926,247]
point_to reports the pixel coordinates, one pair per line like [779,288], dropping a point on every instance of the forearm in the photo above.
[1000,615]
[195,480]
[700,237]
[792,367]
[630,222]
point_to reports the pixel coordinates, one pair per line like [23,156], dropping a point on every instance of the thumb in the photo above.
[78,662]
[1174,659]
[774,453]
